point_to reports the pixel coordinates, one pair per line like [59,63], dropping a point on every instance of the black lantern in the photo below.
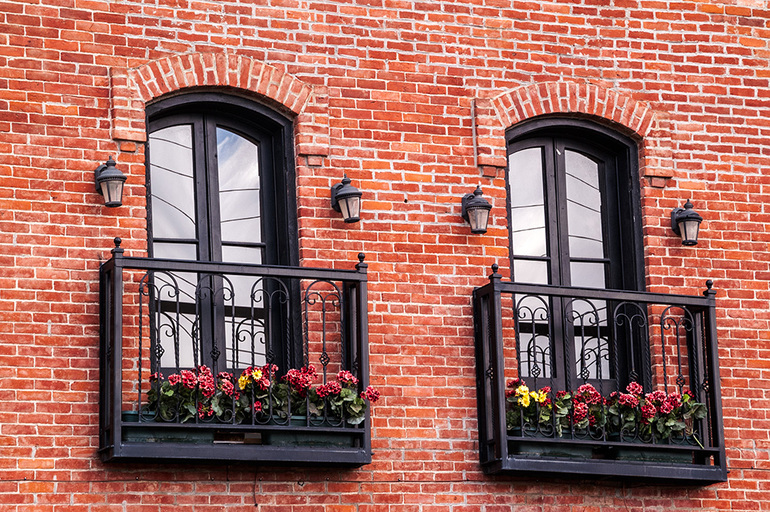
[347,199]
[686,223]
[109,183]
[476,211]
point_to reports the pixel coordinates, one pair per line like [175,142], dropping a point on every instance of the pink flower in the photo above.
[257,407]
[174,379]
[157,376]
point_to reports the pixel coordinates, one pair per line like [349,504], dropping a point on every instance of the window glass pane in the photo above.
[527,202]
[174,251]
[239,201]
[172,187]
[236,254]
[526,271]
[584,206]
[587,275]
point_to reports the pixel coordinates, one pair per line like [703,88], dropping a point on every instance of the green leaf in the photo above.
[355,420]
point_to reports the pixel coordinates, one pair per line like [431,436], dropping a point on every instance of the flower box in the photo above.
[155,433]
[308,437]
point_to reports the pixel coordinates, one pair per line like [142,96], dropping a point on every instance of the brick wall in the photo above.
[387,92]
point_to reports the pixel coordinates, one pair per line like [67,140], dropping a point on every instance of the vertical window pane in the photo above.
[172,186]
[527,202]
[239,202]
[584,206]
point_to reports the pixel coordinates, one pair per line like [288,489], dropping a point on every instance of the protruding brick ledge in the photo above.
[131,89]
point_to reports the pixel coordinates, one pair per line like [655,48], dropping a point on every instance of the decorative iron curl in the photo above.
[539,313]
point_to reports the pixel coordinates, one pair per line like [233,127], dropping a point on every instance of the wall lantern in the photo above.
[476,211]
[109,183]
[686,222]
[347,199]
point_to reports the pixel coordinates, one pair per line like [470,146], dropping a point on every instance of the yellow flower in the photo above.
[242,381]
[540,397]
[523,392]
[256,374]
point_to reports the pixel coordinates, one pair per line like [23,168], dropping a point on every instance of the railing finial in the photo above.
[117,248]
[709,292]
[361,266]
[495,275]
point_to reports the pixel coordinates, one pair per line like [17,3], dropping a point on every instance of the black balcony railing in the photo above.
[598,382]
[211,361]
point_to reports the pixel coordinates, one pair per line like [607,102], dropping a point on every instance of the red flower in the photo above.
[329,389]
[301,380]
[580,411]
[648,412]
[208,385]
[345,377]
[174,379]
[257,407]
[628,400]
[370,394]
[204,411]
[189,380]
[634,388]
[227,387]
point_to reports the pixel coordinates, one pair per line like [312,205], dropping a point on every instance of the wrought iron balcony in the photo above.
[618,383]
[192,356]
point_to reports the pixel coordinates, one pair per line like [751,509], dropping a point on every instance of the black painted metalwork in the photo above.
[150,317]
[670,346]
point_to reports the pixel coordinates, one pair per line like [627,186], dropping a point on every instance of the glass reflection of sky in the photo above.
[527,202]
[239,201]
[171,172]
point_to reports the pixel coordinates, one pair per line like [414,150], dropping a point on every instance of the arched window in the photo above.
[220,181]
[574,221]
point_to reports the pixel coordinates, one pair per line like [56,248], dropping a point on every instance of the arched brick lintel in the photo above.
[494,115]
[131,89]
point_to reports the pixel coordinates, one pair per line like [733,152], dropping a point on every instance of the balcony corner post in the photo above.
[362,348]
[715,391]
[497,365]
[115,343]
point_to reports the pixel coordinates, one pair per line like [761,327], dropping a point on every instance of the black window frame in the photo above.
[255,120]
[622,224]
[274,133]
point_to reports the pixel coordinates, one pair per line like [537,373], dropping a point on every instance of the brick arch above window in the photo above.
[494,115]
[132,88]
